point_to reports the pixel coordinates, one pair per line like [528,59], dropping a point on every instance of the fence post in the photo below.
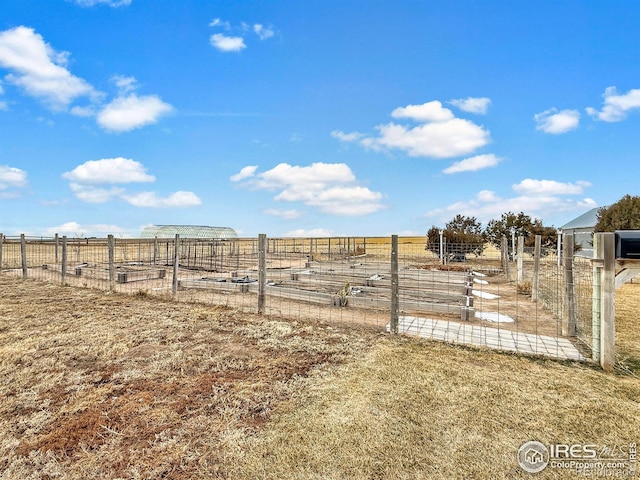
[598,262]
[520,259]
[155,250]
[569,314]
[466,312]
[262,270]
[112,267]
[23,255]
[55,248]
[176,264]
[395,307]
[608,308]
[559,250]
[63,269]
[504,255]
[1,242]
[535,282]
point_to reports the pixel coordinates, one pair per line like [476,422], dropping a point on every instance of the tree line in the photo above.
[464,235]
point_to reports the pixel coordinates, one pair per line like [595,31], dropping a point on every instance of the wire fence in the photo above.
[488,296]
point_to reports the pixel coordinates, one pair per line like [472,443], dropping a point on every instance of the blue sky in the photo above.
[316,118]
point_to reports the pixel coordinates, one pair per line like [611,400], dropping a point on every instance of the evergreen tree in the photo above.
[520,225]
[622,215]
[462,236]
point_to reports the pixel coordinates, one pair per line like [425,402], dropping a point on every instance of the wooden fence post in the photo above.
[112,267]
[176,264]
[520,259]
[569,314]
[23,255]
[598,263]
[155,250]
[395,307]
[56,241]
[504,256]
[607,299]
[559,251]
[1,242]
[262,270]
[63,270]
[535,282]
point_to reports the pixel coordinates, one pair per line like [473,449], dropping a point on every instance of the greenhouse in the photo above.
[188,231]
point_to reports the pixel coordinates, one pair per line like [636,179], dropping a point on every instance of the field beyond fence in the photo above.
[510,300]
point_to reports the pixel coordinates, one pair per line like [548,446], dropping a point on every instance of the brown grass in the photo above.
[109,386]
[628,326]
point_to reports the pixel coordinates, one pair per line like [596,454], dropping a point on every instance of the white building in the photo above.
[582,228]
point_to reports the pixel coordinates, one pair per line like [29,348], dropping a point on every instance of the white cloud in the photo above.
[312,233]
[440,134]
[557,122]
[109,170]
[616,106]
[473,164]
[244,173]
[263,32]
[86,182]
[236,43]
[286,214]
[427,112]
[487,196]
[437,140]
[225,43]
[336,200]
[478,105]
[124,83]
[11,178]
[331,188]
[537,198]
[151,199]
[131,112]
[347,137]
[39,70]
[93,194]
[74,229]
[314,177]
[529,186]
[216,22]
[111,3]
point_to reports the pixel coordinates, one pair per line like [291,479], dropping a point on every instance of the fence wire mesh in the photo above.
[474,296]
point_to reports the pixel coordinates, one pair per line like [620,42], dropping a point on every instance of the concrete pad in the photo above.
[496,338]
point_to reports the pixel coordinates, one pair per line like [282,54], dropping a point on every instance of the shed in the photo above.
[188,231]
[582,228]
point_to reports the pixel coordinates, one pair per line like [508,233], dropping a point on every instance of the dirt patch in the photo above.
[100,385]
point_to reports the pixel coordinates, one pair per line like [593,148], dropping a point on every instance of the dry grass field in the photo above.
[96,385]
